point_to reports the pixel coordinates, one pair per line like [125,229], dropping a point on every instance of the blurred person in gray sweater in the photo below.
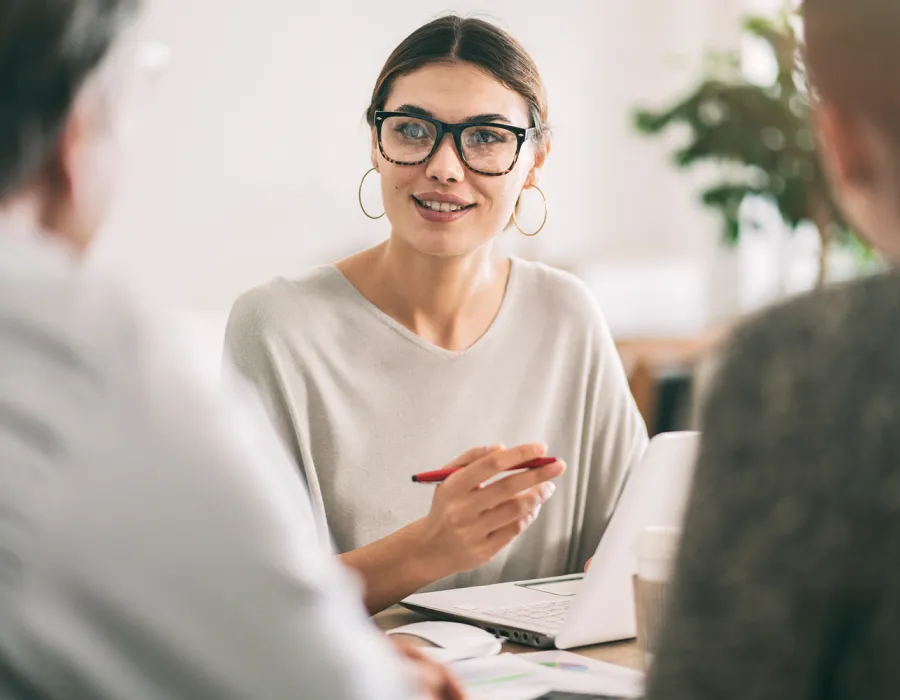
[788,582]
[155,541]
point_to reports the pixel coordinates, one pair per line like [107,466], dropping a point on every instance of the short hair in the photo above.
[48,48]
[853,56]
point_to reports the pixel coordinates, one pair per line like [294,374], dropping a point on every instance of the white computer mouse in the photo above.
[460,641]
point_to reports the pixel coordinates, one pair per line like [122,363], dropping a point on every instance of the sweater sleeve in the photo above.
[251,340]
[615,434]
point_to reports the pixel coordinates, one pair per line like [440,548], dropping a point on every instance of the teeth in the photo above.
[441,206]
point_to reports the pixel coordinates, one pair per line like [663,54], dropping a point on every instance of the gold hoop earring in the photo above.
[543,223]
[362,182]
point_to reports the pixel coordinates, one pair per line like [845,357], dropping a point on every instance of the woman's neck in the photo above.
[449,302]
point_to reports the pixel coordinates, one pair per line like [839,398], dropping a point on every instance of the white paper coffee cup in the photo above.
[657,549]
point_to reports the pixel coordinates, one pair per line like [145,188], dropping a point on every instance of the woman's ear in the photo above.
[374,152]
[540,157]
[541,153]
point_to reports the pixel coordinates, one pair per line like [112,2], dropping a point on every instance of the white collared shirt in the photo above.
[155,539]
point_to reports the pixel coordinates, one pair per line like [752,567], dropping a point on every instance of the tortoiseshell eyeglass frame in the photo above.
[455,130]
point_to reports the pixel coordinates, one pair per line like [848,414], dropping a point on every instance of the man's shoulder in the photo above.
[72,322]
[825,363]
[860,316]
[79,349]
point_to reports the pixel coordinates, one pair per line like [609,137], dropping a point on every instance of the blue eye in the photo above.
[485,137]
[480,137]
[413,130]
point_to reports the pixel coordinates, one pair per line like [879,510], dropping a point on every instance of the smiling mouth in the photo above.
[446,207]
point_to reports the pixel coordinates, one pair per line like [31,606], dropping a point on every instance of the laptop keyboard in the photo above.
[548,615]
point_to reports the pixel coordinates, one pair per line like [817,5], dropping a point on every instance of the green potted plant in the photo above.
[764,134]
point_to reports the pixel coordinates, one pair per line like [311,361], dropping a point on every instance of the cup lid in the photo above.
[659,542]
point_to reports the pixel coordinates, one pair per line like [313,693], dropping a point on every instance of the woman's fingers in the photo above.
[517,508]
[499,539]
[472,455]
[490,465]
[507,489]
[468,524]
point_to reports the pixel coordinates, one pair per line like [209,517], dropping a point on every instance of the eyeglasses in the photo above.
[484,148]
[153,58]
[132,72]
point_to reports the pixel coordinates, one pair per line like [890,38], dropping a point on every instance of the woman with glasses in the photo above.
[395,360]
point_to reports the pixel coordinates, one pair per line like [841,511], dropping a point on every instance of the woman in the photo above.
[394,360]
[788,584]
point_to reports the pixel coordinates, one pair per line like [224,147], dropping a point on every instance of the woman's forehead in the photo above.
[457,92]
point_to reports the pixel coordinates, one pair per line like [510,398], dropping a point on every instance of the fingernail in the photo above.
[547,490]
[532,516]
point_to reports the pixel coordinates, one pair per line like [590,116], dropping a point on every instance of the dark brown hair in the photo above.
[47,51]
[853,56]
[452,39]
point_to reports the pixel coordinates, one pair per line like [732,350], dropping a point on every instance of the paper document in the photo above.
[503,677]
[607,678]
[509,677]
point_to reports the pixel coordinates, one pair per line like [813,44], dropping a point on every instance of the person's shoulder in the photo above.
[85,351]
[83,321]
[267,307]
[810,389]
[832,348]
[858,315]
[558,292]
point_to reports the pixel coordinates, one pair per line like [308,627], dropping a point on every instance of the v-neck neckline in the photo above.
[506,303]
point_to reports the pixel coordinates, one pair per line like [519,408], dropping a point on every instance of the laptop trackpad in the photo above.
[559,586]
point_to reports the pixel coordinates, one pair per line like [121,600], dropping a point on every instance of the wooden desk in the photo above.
[622,653]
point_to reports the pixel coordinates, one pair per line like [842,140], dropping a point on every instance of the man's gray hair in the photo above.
[48,48]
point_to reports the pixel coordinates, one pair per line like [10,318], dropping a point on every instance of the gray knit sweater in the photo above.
[788,585]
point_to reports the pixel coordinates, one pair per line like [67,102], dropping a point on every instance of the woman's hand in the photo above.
[466,527]
[470,522]
[434,680]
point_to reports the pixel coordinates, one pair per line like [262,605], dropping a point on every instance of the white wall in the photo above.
[254,143]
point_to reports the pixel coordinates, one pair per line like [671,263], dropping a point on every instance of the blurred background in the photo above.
[253,144]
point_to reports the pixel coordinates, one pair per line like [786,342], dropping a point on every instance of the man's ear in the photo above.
[64,162]
[58,177]
[69,205]
[846,146]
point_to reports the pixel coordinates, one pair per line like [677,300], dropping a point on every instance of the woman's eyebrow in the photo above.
[488,118]
[414,109]
[422,112]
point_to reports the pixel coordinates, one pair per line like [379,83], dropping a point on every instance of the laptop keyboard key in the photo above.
[550,615]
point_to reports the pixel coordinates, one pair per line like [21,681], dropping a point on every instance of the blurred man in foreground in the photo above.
[155,541]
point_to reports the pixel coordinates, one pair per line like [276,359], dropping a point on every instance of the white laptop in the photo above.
[577,610]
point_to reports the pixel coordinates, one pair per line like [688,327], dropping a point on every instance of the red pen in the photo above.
[439,475]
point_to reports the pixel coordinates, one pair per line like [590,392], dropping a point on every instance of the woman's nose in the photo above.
[446,165]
